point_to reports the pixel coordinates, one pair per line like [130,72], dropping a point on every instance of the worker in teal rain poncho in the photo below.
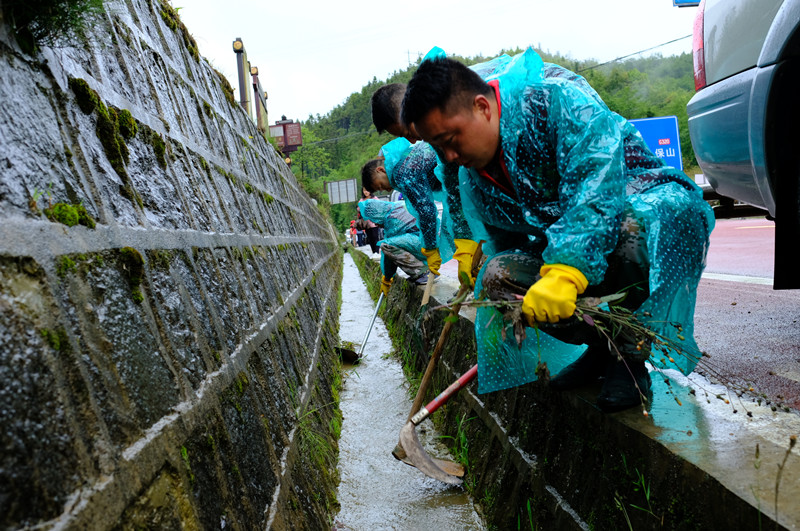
[410,168]
[571,202]
[416,171]
[402,241]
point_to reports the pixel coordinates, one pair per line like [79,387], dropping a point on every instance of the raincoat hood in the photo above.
[393,152]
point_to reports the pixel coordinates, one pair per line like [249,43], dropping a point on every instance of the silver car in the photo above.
[744,120]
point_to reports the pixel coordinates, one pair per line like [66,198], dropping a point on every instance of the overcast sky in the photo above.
[312,54]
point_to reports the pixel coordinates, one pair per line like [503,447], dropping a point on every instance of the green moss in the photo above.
[70,215]
[248,187]
[173,21]
[133,265]
[204,164]
[86,97]
[107,129]
[185,458]
[136,293]
[57,339]
[160,148]
[267,198]
[64,265]
[208,109]
[127,124]
[227,89]
[169,16]
[62,213]
[161,259]
[114,145]
[241,383]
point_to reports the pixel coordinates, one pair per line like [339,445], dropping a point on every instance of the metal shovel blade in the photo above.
[448,467]
[420,459]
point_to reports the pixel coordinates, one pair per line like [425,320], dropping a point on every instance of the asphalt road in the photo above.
[750,330]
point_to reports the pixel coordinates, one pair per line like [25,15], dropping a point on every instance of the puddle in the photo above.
[376,490]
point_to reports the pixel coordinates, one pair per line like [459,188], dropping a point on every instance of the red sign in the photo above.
[288,135]
[663,141]
[294,136]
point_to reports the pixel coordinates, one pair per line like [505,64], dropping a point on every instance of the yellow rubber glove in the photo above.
[553,296]
[434,259]
[386,283]
[465,249]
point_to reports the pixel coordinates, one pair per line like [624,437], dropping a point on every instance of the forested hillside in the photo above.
[337,144]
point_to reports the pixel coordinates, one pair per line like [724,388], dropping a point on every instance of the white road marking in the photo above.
[738,278]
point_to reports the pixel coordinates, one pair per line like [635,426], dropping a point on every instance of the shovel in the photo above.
[415,454]
[452,468]
[369,328]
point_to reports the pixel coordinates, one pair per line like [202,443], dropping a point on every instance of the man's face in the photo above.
[467,136]
[407,132]
[380,181]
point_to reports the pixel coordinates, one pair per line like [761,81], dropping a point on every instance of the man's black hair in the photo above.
[438,84]
[386,102]
[368,173]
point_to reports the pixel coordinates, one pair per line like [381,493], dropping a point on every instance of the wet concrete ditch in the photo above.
[539,459]
[376,491]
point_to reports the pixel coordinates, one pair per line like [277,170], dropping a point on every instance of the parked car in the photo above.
[744,120]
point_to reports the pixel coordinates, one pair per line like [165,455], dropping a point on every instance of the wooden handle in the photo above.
[428,288]
[425,383]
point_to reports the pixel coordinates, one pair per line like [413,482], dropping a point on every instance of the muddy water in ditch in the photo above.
[376,490]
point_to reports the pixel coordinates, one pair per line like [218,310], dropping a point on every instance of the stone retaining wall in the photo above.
[168,295]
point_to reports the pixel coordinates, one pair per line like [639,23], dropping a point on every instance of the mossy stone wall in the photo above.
[168,295]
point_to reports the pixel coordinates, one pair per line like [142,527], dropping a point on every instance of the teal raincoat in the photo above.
[573,167]
[399,227]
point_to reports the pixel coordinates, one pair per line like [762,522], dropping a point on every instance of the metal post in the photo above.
[262,120]
[243,66]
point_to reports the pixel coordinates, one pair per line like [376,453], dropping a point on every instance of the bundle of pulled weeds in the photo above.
[620,326]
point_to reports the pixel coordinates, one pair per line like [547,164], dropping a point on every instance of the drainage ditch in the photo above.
[376,491]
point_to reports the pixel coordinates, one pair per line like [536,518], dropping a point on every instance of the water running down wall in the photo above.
[168,295]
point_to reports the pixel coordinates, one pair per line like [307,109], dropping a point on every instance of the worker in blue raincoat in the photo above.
[413,168]
[402,242]
[571,202]
[410,168]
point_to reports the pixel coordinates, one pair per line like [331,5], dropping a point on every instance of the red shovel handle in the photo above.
[445,395]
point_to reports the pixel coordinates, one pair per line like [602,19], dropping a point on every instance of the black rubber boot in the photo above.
[590,367]
[619,389]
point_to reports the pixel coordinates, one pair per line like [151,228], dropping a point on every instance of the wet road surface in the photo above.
[751,331]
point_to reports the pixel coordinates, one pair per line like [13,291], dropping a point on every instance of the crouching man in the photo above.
[402,242]
[570,202]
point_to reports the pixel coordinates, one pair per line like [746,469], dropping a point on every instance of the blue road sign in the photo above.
[685,3]
[661,136]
